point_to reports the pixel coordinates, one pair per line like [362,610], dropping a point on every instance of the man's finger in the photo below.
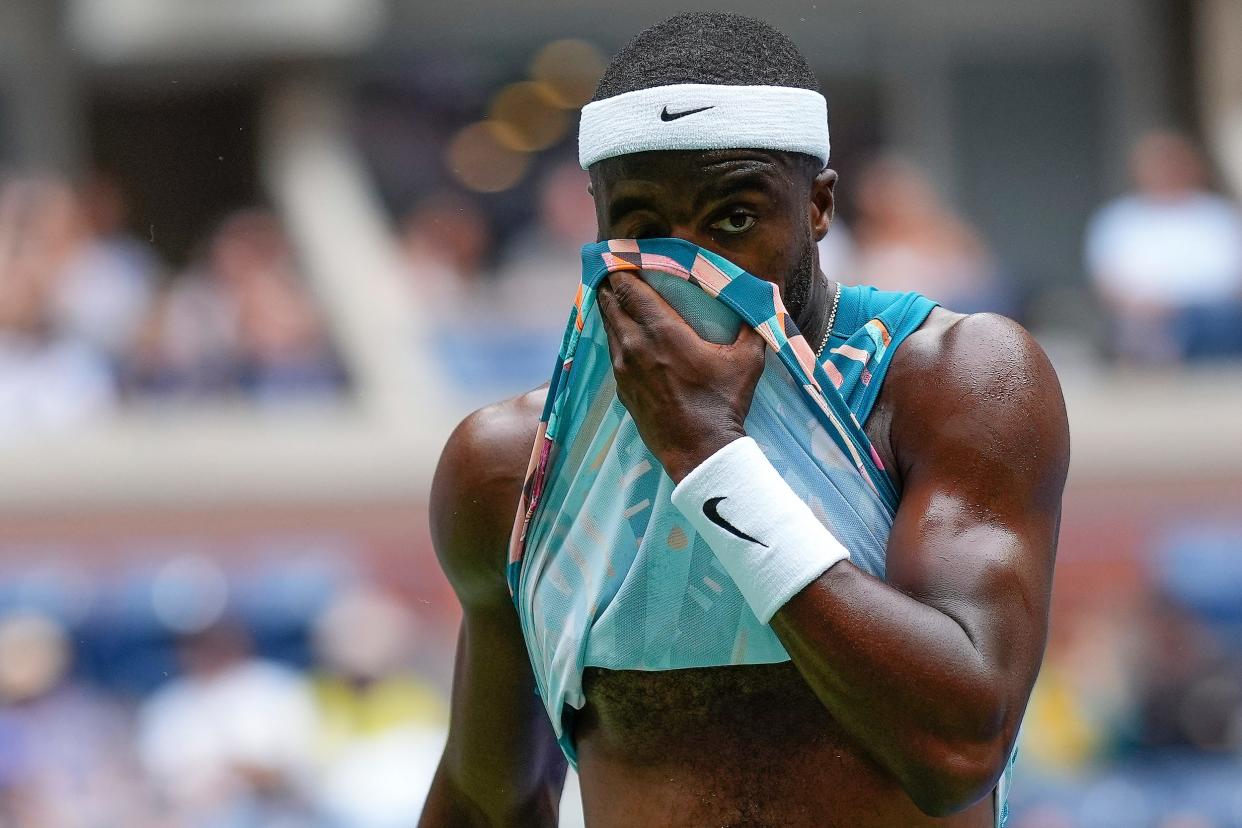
[634,295]
[622,330]
[648,308]
[641,301]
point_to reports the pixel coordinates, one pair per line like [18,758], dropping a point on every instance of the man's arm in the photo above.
[931,669]
[501,766]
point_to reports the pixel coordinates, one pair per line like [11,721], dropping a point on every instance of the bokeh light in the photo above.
[525,117]
[569,69]
[189,594]
[480,161]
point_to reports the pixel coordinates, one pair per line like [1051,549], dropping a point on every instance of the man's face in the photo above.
[763,211]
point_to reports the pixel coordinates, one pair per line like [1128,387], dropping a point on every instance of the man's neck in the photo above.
[813,321]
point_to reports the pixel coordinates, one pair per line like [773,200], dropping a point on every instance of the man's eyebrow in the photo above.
[748,175]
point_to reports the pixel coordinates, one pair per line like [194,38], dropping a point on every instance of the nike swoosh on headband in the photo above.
[709,509]
[665,115]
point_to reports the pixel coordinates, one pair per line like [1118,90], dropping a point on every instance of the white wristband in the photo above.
[764,536]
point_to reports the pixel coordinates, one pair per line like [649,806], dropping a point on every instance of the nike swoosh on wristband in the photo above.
[709,509]
[665,115]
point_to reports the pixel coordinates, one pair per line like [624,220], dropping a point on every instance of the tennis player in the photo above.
[796,576]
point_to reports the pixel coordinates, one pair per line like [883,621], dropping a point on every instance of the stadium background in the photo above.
[257,259]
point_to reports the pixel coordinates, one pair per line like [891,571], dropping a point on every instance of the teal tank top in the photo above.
[604,570]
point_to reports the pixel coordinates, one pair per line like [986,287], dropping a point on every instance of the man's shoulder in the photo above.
[490,436]
[958,355]
[948,340]
[476,488]
[981,378]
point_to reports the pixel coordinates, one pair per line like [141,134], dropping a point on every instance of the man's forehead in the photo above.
[701,167]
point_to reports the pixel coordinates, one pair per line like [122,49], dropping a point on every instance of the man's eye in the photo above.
[735,223]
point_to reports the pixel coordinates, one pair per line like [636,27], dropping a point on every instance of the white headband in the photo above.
[697,116]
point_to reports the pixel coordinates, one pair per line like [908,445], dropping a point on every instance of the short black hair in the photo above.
[707,47]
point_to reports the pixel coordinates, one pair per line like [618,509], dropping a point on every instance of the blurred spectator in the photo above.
[108,281]
[382,727]
[1084,704]
[65,756]
[1190,692]
[1167,258]
[230,742]
[540,272]
[515,322]
[48,378]
[906,238]
[242,322]
[1135,721]
[446,240]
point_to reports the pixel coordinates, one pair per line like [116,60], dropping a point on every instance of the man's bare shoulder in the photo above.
[978,379]
[475,492]
[979,340]
[976,353]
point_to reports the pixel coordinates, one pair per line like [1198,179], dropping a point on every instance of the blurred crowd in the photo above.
[1163,260]
[499,311]
[90,317]
[172,704]
[298,693]
[1137,716]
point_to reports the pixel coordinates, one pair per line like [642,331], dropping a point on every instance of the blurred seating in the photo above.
[1136,719]
[1199,566]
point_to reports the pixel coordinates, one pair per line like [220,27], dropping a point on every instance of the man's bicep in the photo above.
[984,459]
[991,577]
[501,764]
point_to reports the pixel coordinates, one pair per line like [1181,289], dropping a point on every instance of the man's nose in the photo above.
[697,235]
[691,233]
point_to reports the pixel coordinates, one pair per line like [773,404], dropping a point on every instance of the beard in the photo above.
[797,294]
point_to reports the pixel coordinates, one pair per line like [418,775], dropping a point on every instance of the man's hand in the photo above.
[688,397]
